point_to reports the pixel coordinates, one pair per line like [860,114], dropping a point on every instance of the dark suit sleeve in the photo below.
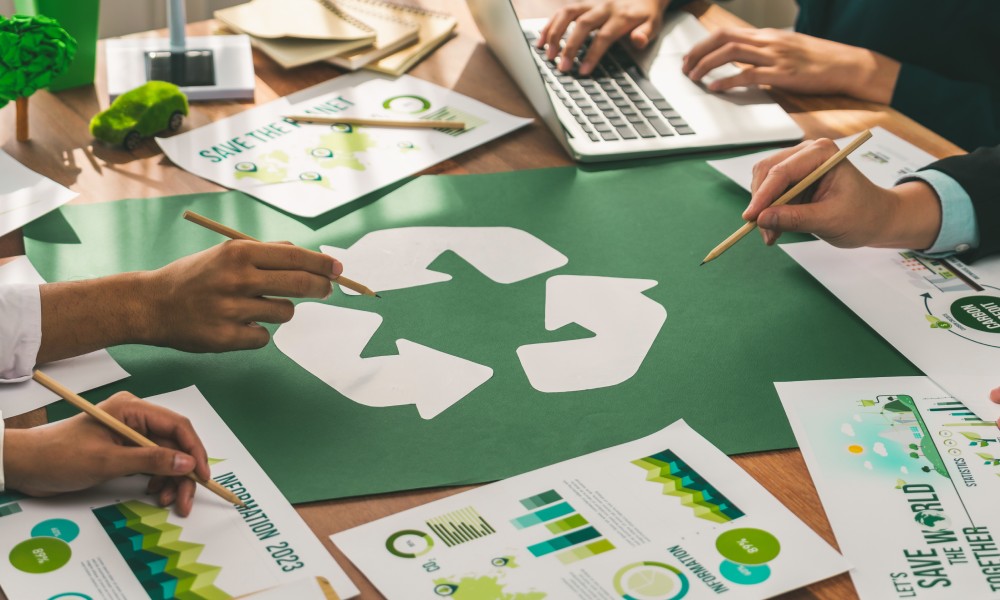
[678,3]
[979,174]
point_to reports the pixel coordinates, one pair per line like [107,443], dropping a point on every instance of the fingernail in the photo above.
[714,86]
[329,292]
[183,463]
[768,220]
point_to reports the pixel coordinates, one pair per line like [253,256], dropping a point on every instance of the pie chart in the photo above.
[650,581]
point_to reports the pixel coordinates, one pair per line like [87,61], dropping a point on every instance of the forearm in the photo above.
[82,316]
[916,217]
[876,77]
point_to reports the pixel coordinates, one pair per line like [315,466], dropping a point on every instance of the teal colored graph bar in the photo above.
[564,541]
[541,500]
[11,508]
[546,514]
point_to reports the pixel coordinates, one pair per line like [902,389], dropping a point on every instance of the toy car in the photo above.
[141,113]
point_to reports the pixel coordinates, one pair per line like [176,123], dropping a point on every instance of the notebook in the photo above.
[301,19]
[394,31]
[434,29]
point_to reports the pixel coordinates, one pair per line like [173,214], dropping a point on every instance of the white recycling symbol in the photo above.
[328,340]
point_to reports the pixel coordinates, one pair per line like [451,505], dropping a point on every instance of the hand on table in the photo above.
[610,19]
[80,452]
[844,208]
[795,62]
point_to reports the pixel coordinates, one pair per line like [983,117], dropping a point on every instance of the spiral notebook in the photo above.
[433,29]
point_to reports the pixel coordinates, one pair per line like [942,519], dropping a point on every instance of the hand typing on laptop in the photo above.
[609,20]
[795,62]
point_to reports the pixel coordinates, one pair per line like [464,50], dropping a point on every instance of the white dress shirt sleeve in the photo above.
[2,481]
[20,330]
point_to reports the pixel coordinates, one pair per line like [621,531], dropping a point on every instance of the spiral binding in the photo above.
[332,7]
[392,6]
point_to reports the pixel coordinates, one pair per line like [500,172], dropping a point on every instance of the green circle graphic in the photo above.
[981,313]
[410,105]
[748,546]
[63,529]
[649,579]
[40,555]
[409,543]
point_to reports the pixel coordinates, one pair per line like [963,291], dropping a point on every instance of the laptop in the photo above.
[634,103]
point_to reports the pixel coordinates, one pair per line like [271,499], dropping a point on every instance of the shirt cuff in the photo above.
[21,307]
[959,231]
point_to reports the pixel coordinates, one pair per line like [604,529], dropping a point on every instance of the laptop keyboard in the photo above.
[616,102]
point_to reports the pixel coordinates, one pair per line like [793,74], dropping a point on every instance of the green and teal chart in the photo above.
[525,318]
[665,517]
[114,542]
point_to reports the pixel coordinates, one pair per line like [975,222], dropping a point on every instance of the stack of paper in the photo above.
[347,33]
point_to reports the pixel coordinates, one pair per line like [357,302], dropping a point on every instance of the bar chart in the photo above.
[575,538]
[460,526]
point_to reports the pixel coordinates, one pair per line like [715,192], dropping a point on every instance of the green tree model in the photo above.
[33,51]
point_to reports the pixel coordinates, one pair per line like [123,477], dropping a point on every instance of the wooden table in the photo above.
[61,148]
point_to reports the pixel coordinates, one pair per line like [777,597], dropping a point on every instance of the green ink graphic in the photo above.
[694,491]
[410,105]
[981,313]
[63,529]
[165,566]
[481,588]
[748,546]
[409,543]
[271,168]
[932,519]
[40,555]
[343,146]
[651,581]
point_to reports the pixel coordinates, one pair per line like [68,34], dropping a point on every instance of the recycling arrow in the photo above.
[624,321]
[328,341]
[392,259]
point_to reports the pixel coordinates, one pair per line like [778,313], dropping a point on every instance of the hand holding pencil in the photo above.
[118,437]
[784,177]
[845,208]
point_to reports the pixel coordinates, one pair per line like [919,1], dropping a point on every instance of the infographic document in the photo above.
[909,478]
[308,169]
[115,543]
[80,373]
[665,517]
[884,159]
[942,314]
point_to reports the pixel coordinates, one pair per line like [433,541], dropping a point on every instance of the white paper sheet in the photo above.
[935,312]
[908,477]
[26,195]
[309,169]
[79,374]
[666,516]
[883,159]
[77,543]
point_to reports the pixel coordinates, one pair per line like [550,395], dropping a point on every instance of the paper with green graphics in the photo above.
[731,327]
[899,456]
[114,542]
[309,169]
[664,517]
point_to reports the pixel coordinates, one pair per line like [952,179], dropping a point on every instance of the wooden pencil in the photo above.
[234,234]
[124,430]
[792,193]
[376,122]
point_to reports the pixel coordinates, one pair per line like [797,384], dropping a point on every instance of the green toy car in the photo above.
[141,113]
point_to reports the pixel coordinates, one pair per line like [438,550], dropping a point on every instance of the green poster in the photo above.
[732,328]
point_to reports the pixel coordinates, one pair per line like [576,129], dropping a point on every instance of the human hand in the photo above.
[795,62]
[611,19]
[80,452]
[212,301]
[844,208]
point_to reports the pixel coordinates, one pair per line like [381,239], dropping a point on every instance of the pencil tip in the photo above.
[377,296]
[702,262]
